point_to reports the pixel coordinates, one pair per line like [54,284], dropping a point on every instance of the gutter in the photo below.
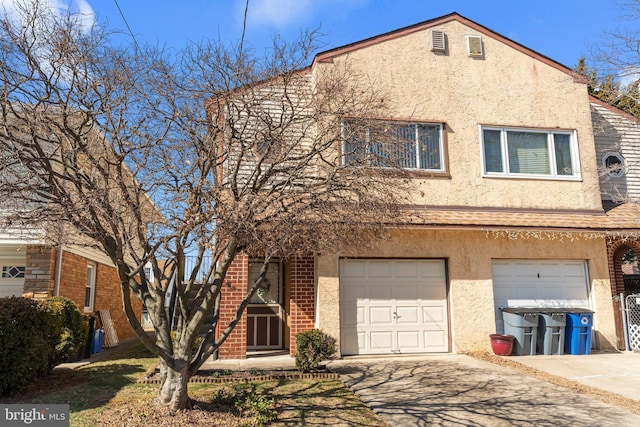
[58,267]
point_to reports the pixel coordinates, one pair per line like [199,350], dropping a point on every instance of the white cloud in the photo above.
[280,12]
[85,13]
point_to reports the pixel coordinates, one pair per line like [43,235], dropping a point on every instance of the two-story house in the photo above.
[507,209]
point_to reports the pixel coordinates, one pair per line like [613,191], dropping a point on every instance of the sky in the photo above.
[563,30]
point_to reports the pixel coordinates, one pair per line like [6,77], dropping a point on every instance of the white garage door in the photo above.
[11,277]
[393,306]
[549,283]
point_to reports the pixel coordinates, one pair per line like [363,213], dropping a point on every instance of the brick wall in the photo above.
[233,290]
[615,250]
[39,274]
[109,297]
[302,303]
[73,280]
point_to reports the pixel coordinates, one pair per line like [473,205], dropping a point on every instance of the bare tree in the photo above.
[615,76]
[238,153]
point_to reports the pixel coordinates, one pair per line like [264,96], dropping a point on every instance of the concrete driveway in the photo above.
[458,390]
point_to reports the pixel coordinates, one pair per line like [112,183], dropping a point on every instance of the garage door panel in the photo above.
[381,341]
[406,269]
[380,316]
[408,291]
[408,315]
[398,310]
[432,270]
[354,292]
[434,314]
[409,340]
[433,292]
[436,341]
[353,269]
[379,270]
[378,291]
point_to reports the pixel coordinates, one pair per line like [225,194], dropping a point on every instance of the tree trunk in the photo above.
[173,385]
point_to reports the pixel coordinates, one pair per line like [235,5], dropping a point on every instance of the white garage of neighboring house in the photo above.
[12,266]
[539,283]
[393,306]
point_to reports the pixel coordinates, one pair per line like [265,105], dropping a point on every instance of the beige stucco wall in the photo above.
[469,255]
[506,88]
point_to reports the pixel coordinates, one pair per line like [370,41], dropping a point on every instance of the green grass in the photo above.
[106,393]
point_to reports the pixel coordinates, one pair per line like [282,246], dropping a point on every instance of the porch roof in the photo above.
[623,218]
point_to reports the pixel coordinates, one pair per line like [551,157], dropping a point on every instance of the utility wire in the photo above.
[128,27]
[244,25]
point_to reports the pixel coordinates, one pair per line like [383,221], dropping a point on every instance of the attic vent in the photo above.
[438,43]
[474,46]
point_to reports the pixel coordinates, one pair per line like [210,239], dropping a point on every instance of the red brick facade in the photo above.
[302,294]
[301,304]
[233,291]
[615,250]
[40,280]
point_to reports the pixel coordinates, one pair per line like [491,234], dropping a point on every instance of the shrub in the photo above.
[313,347]
[73,325]
[28,335]
[255,409]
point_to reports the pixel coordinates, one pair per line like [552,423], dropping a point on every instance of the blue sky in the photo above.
[564,30]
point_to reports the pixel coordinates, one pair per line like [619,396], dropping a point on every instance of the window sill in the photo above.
[536,177]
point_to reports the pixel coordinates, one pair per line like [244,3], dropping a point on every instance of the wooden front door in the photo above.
[265,313]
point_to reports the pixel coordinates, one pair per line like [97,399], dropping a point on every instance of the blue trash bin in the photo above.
[579,323]
[98,337]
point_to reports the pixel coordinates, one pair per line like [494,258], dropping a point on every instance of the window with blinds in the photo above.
[394,145]
[529,153]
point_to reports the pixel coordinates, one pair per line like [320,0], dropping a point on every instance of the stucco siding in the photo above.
[469,256]
[507,88]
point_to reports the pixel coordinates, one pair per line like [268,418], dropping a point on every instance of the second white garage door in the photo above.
[393,306]
[539,283]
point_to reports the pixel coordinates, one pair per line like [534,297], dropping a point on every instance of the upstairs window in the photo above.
[383,144]
[529,153]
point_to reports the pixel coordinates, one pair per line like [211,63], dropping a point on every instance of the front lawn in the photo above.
[106,393]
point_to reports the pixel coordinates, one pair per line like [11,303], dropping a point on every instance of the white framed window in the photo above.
[90,288]
[418,146]
[529,153]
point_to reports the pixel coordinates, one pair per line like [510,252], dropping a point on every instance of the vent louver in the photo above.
[438,41]
[474,46]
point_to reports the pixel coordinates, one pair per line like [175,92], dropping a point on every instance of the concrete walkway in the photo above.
[613,372]
[457,390]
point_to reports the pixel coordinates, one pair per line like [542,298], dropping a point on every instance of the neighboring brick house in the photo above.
[33,269]
[509,211]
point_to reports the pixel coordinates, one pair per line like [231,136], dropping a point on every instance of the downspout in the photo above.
[58,268]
